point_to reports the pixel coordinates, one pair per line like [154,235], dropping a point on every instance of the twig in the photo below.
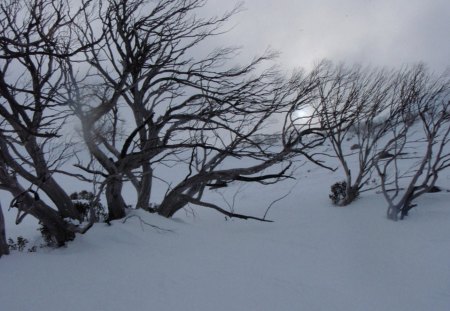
[279,199]
[146,223]
[221,210]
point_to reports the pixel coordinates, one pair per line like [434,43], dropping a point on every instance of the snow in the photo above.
[315,256]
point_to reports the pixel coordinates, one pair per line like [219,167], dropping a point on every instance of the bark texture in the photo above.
[116,203]
[4,250]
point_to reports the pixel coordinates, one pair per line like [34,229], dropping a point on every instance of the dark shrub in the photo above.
[338,192]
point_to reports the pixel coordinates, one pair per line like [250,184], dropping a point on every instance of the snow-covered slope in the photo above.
[313,257]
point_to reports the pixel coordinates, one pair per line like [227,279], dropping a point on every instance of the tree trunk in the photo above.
[351,193]
[392,213]
[114,199]
[4,250]
[47,216]
[171,204]
[174,200]
[145,188]
[61,200]
[55,224]
[407,206]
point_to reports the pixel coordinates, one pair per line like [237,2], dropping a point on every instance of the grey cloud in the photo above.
[379,32]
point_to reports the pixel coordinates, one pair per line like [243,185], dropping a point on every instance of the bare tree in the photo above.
[208,167]
[34,36]
[422,133]
[194,110]
[352,103]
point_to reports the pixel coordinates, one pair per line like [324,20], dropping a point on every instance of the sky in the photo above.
[369,32]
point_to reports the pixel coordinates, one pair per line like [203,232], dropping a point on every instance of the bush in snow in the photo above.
[339,193]
[84,201]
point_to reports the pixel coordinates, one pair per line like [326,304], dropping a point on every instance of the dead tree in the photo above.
[421,135]
[353,104]
[197,111]
[34,36]
[207,164]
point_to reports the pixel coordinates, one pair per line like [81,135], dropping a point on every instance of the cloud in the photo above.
[379,32]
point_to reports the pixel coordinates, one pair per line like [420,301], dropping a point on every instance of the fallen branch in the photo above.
[221,210]
[279,199]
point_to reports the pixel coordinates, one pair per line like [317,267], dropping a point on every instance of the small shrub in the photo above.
[434,189]
[152,208]
[18,245]
[32,249]
[338,193]
[84,200]
[47,236]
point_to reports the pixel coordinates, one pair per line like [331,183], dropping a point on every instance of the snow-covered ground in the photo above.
[313,257]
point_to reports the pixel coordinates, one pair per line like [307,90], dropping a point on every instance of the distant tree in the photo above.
[422,134]
[354,104]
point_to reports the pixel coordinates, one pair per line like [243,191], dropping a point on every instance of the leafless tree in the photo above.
[208,167]
[34,36]
[422,133]
[192,109]
[354,103]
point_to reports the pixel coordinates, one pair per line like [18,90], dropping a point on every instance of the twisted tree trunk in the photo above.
[27,204]
[61,200]
[52,220]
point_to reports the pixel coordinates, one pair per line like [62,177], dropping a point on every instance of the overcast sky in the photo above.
[377,32]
